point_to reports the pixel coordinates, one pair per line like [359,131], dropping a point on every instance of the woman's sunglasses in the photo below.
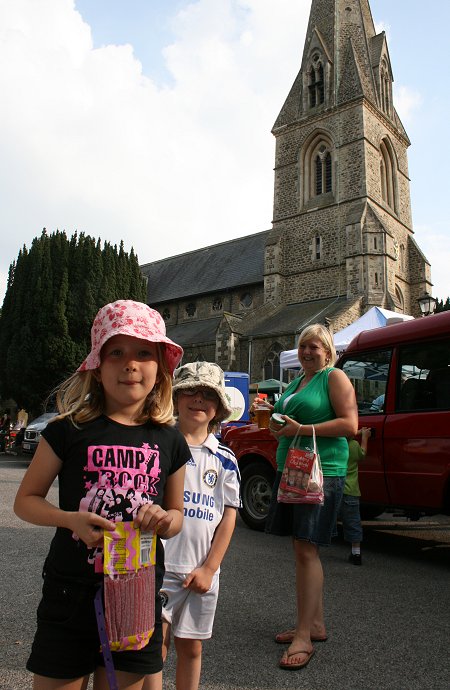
[206,393]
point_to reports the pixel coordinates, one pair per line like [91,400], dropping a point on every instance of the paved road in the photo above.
[388,621]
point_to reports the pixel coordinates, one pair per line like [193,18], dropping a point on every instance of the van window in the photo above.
[425,377]
[369,374]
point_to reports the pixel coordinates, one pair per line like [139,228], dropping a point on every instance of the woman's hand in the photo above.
[260,402]
[291,428]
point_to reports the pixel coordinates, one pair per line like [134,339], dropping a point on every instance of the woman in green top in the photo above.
[324,397]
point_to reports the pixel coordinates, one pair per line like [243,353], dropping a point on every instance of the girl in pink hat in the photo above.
[118,459]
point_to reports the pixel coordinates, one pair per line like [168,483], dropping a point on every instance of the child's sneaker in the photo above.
[355,559]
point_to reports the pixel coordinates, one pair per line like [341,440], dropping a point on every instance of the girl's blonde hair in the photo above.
[81,397]
[316,330]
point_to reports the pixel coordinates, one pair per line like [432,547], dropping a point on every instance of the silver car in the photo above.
[33,432]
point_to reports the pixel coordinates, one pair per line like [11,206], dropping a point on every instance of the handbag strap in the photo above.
[314,439]
[294,441]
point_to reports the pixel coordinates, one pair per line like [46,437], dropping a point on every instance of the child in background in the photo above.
[349,512]
[211,497]
[118,458]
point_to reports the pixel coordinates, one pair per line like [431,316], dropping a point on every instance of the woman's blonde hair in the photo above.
[316,330]
[81,397]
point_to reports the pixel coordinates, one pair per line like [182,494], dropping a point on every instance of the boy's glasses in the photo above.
[206,393]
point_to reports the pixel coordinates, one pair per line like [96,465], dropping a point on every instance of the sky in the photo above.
[149,121]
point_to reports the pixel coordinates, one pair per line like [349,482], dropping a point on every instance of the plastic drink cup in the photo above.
[262,417]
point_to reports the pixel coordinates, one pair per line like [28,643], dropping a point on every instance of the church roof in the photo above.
[211,269]
[194,332]
[286,320]
[292,318]
[377,45]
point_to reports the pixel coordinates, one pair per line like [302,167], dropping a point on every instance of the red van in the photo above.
[401,375]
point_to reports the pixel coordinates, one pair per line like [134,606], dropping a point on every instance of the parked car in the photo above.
[407,466]
[33,432]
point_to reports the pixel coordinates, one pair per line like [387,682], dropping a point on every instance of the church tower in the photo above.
[342,213]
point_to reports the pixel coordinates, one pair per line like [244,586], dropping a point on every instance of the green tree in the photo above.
[54,290]
[442,306]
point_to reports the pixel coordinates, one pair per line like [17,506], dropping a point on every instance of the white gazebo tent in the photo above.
[376,317]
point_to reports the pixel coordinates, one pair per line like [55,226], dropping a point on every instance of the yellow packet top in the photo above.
[127,549]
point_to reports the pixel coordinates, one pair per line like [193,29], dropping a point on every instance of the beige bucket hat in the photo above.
[203,375]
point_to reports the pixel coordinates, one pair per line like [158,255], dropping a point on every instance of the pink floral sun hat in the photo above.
[126,317]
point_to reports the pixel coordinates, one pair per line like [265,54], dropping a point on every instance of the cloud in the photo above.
[407,103]
[91,144]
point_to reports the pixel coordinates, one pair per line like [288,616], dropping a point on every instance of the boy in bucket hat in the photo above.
[211,498]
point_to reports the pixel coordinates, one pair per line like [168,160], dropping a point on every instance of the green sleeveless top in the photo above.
[311,405]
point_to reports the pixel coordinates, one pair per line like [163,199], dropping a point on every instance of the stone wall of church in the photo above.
[242,300]
[377,128]
[305,275]
[293,272]
[194,353]
[347,316]
[261,348]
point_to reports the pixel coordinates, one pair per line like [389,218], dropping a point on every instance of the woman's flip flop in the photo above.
[292,666]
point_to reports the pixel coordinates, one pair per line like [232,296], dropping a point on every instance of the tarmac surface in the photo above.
[388,621]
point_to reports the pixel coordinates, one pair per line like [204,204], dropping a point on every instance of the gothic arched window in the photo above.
[387,174]
[323,171]
[272,363]
[385,88]
[400,300]
[316,85]
[316,169]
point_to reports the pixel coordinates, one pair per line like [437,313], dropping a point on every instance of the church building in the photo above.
[341,240]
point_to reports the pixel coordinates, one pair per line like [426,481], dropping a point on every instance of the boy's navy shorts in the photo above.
[67,645]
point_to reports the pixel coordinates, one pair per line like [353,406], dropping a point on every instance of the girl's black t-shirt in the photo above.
[110,469]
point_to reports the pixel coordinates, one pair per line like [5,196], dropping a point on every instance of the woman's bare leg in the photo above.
[309,591]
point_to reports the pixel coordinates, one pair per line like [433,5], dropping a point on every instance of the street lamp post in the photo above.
[427,304]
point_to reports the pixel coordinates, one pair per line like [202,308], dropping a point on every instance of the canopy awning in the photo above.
[374,318]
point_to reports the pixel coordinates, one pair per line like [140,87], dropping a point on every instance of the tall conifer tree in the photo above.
[53,292]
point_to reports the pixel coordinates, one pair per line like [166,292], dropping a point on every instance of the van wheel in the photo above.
[256,491]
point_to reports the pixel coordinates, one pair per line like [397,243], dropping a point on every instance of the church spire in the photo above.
[343,59]
[342,208]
